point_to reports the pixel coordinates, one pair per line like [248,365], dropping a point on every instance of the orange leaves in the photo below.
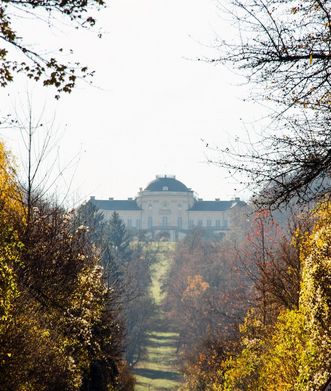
[196,285]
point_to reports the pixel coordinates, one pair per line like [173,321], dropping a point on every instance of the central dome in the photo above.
[166,183]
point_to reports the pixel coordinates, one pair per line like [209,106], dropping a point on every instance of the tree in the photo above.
[64,304]
[139,307]
[17,56]
[207,296]
[88,215]
[130,264]
[271,257]
[284,47]
[111,331]
[315,301]
[126,272]
[289,52]
[119,238]
[293,351]
[59,328]
[11,213]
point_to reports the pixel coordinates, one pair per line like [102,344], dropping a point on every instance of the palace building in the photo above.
[167,208]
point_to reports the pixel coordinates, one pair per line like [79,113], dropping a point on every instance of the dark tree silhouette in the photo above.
[18,56]
[119,239]
[284,47]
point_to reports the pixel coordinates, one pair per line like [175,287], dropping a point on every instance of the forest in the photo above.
[251,311]
[254,314]
[84,300]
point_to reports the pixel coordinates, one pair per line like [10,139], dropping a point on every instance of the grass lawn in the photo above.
[157,371]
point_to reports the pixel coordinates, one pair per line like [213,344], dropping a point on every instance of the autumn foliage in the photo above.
[59,323]
[284,340]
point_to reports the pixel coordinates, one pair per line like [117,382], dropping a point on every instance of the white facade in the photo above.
[167,207]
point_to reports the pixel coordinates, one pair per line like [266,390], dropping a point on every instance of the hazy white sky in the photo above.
[151,103]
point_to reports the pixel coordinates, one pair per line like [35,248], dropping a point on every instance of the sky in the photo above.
[150,106]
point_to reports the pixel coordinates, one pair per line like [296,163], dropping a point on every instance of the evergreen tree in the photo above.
[119,239]
[89,216]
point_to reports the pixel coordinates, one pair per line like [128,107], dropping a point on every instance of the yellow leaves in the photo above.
[54,322]
[282,361]
[10,195]
[294,353]
[319,239]
[11,213]
[269,361]
[315,300]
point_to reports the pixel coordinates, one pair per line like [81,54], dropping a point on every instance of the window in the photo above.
[218,223]
[138,223]
[208,223]
[191,223]
[165,188]
[200,223]
[129,223]
[150,222]
[179,222]
[225,223]
[164,221]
